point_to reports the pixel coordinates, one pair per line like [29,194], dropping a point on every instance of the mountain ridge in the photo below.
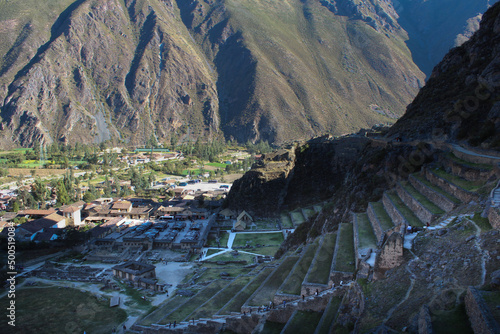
[166,71]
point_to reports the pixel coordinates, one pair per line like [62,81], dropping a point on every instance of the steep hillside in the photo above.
[134,71]
[433,26]
[353,170]
[141,70]
[460,100]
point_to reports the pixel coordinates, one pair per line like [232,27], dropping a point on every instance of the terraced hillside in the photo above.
[321,284]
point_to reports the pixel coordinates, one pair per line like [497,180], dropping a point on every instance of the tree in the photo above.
[15,206]
[40,191]
[62,194]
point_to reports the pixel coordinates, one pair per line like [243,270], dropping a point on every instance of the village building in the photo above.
[243,220]
[133,270]
[73,213]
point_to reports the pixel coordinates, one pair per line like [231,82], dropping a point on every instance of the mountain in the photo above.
[160,70]
[458,105]
[436,26]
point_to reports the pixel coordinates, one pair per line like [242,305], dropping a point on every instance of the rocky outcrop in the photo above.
[458,101]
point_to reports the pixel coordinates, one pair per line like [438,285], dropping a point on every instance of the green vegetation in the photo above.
[382,215]
[303,322]
[218,301]
[451,156]
[267,291]
[482,222]
[465,184]
[433,208]
[404,210]
[157,315]
[286,221]
[437,189]
[229,257]
[329,315]
[322,263]
[252,239]
[308,213]
[451,322]
[187,308]
[212,241]
[297,217]
[293,283]
[366,237]
[345,255]
[69,311]
[272,328]
[235,304]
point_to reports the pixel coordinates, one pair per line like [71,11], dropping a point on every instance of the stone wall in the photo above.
[391,253]
[476,158]
[377,228]
[357,256]
[440,200]
[494,217]
[309,289]
[467,172]
[420,211]
[460,193]
[393,212]
[340,276]
[480,317]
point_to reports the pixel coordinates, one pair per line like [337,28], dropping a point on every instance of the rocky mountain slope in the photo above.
[90,71]
[433,26]
[459,104]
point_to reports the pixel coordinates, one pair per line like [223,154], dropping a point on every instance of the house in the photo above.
[132,269]
[239,226]
[245,217]
[73,213]
[29,230]
[227,214]
[35,214]
[122,206]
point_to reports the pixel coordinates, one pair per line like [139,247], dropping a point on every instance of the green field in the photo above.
[218,301]
[320,272]
[266,292]
[194,302]
[241,297]
[345,255]
[62,310]
[286,221]
[365,232]
[303,322]
[252,239]
[293,283]
[216,164]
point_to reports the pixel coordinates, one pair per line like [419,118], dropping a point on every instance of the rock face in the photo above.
[459,100]
[135,71]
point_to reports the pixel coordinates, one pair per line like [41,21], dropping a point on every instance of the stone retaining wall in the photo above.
[377,227]
[393,211]
[356,239]
[467,172]
[480,317]
[460,193]
[440,200]
[494,217]
[411,202]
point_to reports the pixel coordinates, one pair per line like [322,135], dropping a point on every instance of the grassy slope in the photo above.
[62,310]
[301,47]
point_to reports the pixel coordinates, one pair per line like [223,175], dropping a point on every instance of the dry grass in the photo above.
[38,171]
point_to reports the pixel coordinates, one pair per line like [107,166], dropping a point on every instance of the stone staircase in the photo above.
[304,291]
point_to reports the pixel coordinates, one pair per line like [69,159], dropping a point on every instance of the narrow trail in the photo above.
[477,244]
[408,292]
